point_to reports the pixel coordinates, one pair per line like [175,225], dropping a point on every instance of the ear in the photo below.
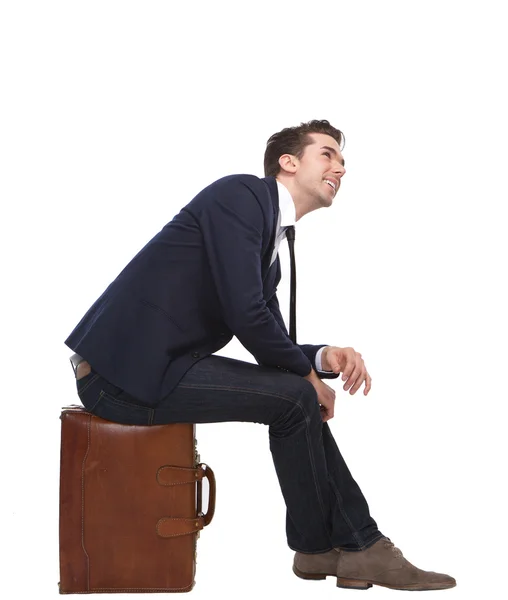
[288,163]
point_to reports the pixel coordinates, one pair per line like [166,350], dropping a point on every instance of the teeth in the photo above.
[330,184]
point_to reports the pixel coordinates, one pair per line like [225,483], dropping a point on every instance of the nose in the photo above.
[339,170]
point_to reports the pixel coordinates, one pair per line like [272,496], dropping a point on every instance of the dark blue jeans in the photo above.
[325,507]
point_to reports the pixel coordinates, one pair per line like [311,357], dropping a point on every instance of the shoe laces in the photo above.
[389,544]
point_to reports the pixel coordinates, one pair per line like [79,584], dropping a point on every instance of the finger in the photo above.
[350,363]
[357,373]
[359,367]
[351,381]
[326,412]
[361,378]
[358,383]
[331,409]
[368,385]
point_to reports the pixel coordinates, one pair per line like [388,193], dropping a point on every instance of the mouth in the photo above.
[332,184]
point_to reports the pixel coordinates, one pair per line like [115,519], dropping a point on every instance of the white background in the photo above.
[115,114]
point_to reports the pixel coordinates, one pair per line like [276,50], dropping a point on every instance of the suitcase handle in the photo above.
[208,473]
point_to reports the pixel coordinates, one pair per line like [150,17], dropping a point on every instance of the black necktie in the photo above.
[290,234]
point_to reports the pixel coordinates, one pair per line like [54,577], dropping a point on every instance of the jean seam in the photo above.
[89,383]
[98,400]
[228,388]
[123,404]
[359,540]
[312,462]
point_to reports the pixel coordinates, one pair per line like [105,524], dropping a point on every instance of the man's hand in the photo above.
[325,395]
[351,364]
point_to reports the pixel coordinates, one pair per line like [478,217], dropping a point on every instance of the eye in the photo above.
[327,154]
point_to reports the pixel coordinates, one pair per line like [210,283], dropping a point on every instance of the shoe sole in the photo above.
[362,584]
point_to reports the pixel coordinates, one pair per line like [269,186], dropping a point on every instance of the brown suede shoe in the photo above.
[316,566]
[381,564]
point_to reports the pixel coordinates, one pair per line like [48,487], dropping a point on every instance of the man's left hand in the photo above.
[350,364]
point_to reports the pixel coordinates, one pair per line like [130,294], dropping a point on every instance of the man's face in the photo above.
[320,169]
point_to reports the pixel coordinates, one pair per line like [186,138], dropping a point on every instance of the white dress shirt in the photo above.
[286,218]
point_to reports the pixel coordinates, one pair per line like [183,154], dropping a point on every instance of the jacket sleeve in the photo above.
[310,350]
[231,224]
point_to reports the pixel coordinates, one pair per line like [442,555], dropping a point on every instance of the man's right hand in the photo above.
[325,396]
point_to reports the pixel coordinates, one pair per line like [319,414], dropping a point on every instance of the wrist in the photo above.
[324,361]
[312,375]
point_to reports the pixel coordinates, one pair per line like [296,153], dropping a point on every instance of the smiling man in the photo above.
[144,352]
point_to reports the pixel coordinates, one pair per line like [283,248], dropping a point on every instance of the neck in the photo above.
[303,202]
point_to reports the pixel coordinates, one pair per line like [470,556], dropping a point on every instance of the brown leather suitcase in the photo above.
[130,505]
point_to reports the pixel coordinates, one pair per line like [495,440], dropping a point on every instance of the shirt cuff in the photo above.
[318,361]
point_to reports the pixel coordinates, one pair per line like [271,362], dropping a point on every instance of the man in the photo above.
[144,352]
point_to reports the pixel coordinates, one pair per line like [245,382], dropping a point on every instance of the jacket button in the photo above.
[195,354]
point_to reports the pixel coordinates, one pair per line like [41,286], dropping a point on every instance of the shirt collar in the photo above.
[286,206]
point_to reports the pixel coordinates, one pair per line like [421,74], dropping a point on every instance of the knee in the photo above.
[300,408]
[308,401]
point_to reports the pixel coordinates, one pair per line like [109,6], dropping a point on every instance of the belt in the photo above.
[80,366]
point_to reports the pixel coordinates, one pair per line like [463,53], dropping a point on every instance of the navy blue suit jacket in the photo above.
[203,278]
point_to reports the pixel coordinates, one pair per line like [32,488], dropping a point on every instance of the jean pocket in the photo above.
[88,389]
[86,381]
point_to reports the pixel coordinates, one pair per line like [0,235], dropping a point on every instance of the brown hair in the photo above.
[293,140]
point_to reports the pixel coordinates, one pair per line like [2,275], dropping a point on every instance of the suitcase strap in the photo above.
[175,526]
[169,475]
